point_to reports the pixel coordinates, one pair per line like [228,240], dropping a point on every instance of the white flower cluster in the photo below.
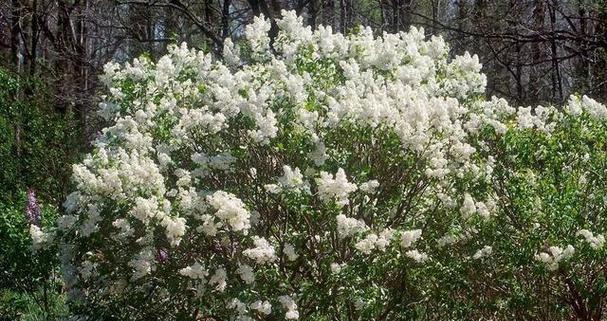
[335,188]
[289,251]
[263,307]
[373,241]
[595,241]
[417,256]
[39,238]
[231,210]
[471,207]
[484,252]
[246,273]
[554,256]
[142,264]
[348,226]
[262,253]
[194,271]
[409,238]
[369,187]
[577,105]
[289,304]
[291,180]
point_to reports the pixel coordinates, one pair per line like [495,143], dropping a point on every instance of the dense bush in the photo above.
[37,142]
[20,267]
[329,177]
[37,145]
[30,284]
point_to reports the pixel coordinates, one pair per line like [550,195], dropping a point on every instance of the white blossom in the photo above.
[409,238]
[554,256]
[39,238]
[336,267]
[596,242]
[289,304]
[246,273]
[262,253]
[335,188]
[175,229]
[219,279]
[257,34]
[194,271]
[292,179]
[417,256]
[369,187]
[141,264]
[484,252]
[347,226]
[469,206]
[230,209]
[367,244]
[263,307]
[289,251]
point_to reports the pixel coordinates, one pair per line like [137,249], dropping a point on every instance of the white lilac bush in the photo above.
[322,176]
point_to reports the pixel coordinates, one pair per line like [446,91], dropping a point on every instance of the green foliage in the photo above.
[21,268]
[41,305]
[550,186]
[29,281]
[37,143]
[37,146]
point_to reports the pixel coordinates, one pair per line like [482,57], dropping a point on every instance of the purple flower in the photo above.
[32,209]
[162,255]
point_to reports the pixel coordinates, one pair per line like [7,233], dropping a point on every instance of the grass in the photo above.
[40,305]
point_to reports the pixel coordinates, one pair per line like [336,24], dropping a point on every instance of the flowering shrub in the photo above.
[333,177]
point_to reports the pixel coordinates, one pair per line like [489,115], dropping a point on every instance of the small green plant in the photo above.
[30,285]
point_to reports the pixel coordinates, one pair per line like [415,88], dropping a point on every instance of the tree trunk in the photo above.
[225,19]
[599,83]
[312,13]
[328,13]
[537,50]
[342,16]
[15,32]
[34,39]
[405,15]
[396,4]
[557,82]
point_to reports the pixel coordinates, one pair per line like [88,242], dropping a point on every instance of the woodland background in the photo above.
[52,51]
